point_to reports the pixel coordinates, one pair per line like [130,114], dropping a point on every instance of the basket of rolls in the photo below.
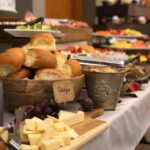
[28,73]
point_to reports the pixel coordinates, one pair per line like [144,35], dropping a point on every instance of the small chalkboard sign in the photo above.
[63,91]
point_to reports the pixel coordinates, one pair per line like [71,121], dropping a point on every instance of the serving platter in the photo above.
[120,36]
[29,32]
[87,130]
[123,48]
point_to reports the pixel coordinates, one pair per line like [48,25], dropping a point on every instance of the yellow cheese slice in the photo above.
[53,144]
[34,139]
[30,125]
[39,124]
[59,127]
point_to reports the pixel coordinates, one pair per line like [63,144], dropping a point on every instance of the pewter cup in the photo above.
[104,88]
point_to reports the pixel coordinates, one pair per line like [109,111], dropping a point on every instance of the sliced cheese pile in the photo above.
[48,134]
[71,118]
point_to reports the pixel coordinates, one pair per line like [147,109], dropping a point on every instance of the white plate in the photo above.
[120,36]
[29,32]
[123,48]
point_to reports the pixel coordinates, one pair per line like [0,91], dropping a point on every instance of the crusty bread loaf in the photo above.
[48,74]
[61,59]
[20,74]
[43,41]
[11,60]
[38,58]
[75,66]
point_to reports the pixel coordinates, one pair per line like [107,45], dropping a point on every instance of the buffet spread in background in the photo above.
[57,93]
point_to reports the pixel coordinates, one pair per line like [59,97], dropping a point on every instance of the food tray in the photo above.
[123,48]
[28,32]
[120,36]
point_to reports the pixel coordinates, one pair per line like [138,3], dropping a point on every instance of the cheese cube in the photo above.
[39,124]
[71,118]
[30,125]
[48,122]
[64,138]
[34,139]
[28,147]
[25,131]
[48,134]
[73,134]
[53,144]
[59,127]
[4,136]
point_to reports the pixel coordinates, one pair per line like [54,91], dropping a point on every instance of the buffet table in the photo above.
[127,124]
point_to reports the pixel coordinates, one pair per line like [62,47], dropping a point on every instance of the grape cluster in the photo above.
[41,110]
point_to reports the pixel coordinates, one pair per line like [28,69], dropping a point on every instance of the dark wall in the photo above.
[23,6]
[89,11]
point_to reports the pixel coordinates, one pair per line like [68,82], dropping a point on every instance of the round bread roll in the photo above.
[38,58]
[11,61]
[75,66]
[20,74]
[48,74]
[66,70]
[43,41]
[61,59]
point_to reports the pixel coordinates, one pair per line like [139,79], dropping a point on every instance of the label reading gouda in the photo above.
[63,91]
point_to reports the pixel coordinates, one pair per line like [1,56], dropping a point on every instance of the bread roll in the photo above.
[61,59]
[38,58]
[11,61]
[66,70]
[48,74]
[21,74]
[75,66]
[43,41]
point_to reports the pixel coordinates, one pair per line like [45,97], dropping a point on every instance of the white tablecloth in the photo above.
[127,124]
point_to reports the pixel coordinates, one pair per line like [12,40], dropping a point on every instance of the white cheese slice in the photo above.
[71,118]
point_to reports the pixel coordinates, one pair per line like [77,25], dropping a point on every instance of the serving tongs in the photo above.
[98,62]
[14,142]
[38,20]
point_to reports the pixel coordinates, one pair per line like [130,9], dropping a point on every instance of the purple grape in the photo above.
[48,111]
[43,104]
[36,111]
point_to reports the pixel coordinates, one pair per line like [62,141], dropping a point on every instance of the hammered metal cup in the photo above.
[104,88]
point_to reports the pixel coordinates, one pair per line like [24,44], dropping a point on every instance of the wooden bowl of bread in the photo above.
[28,73]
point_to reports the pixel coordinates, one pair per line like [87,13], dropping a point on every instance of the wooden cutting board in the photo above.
[95,113]
[87,130]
